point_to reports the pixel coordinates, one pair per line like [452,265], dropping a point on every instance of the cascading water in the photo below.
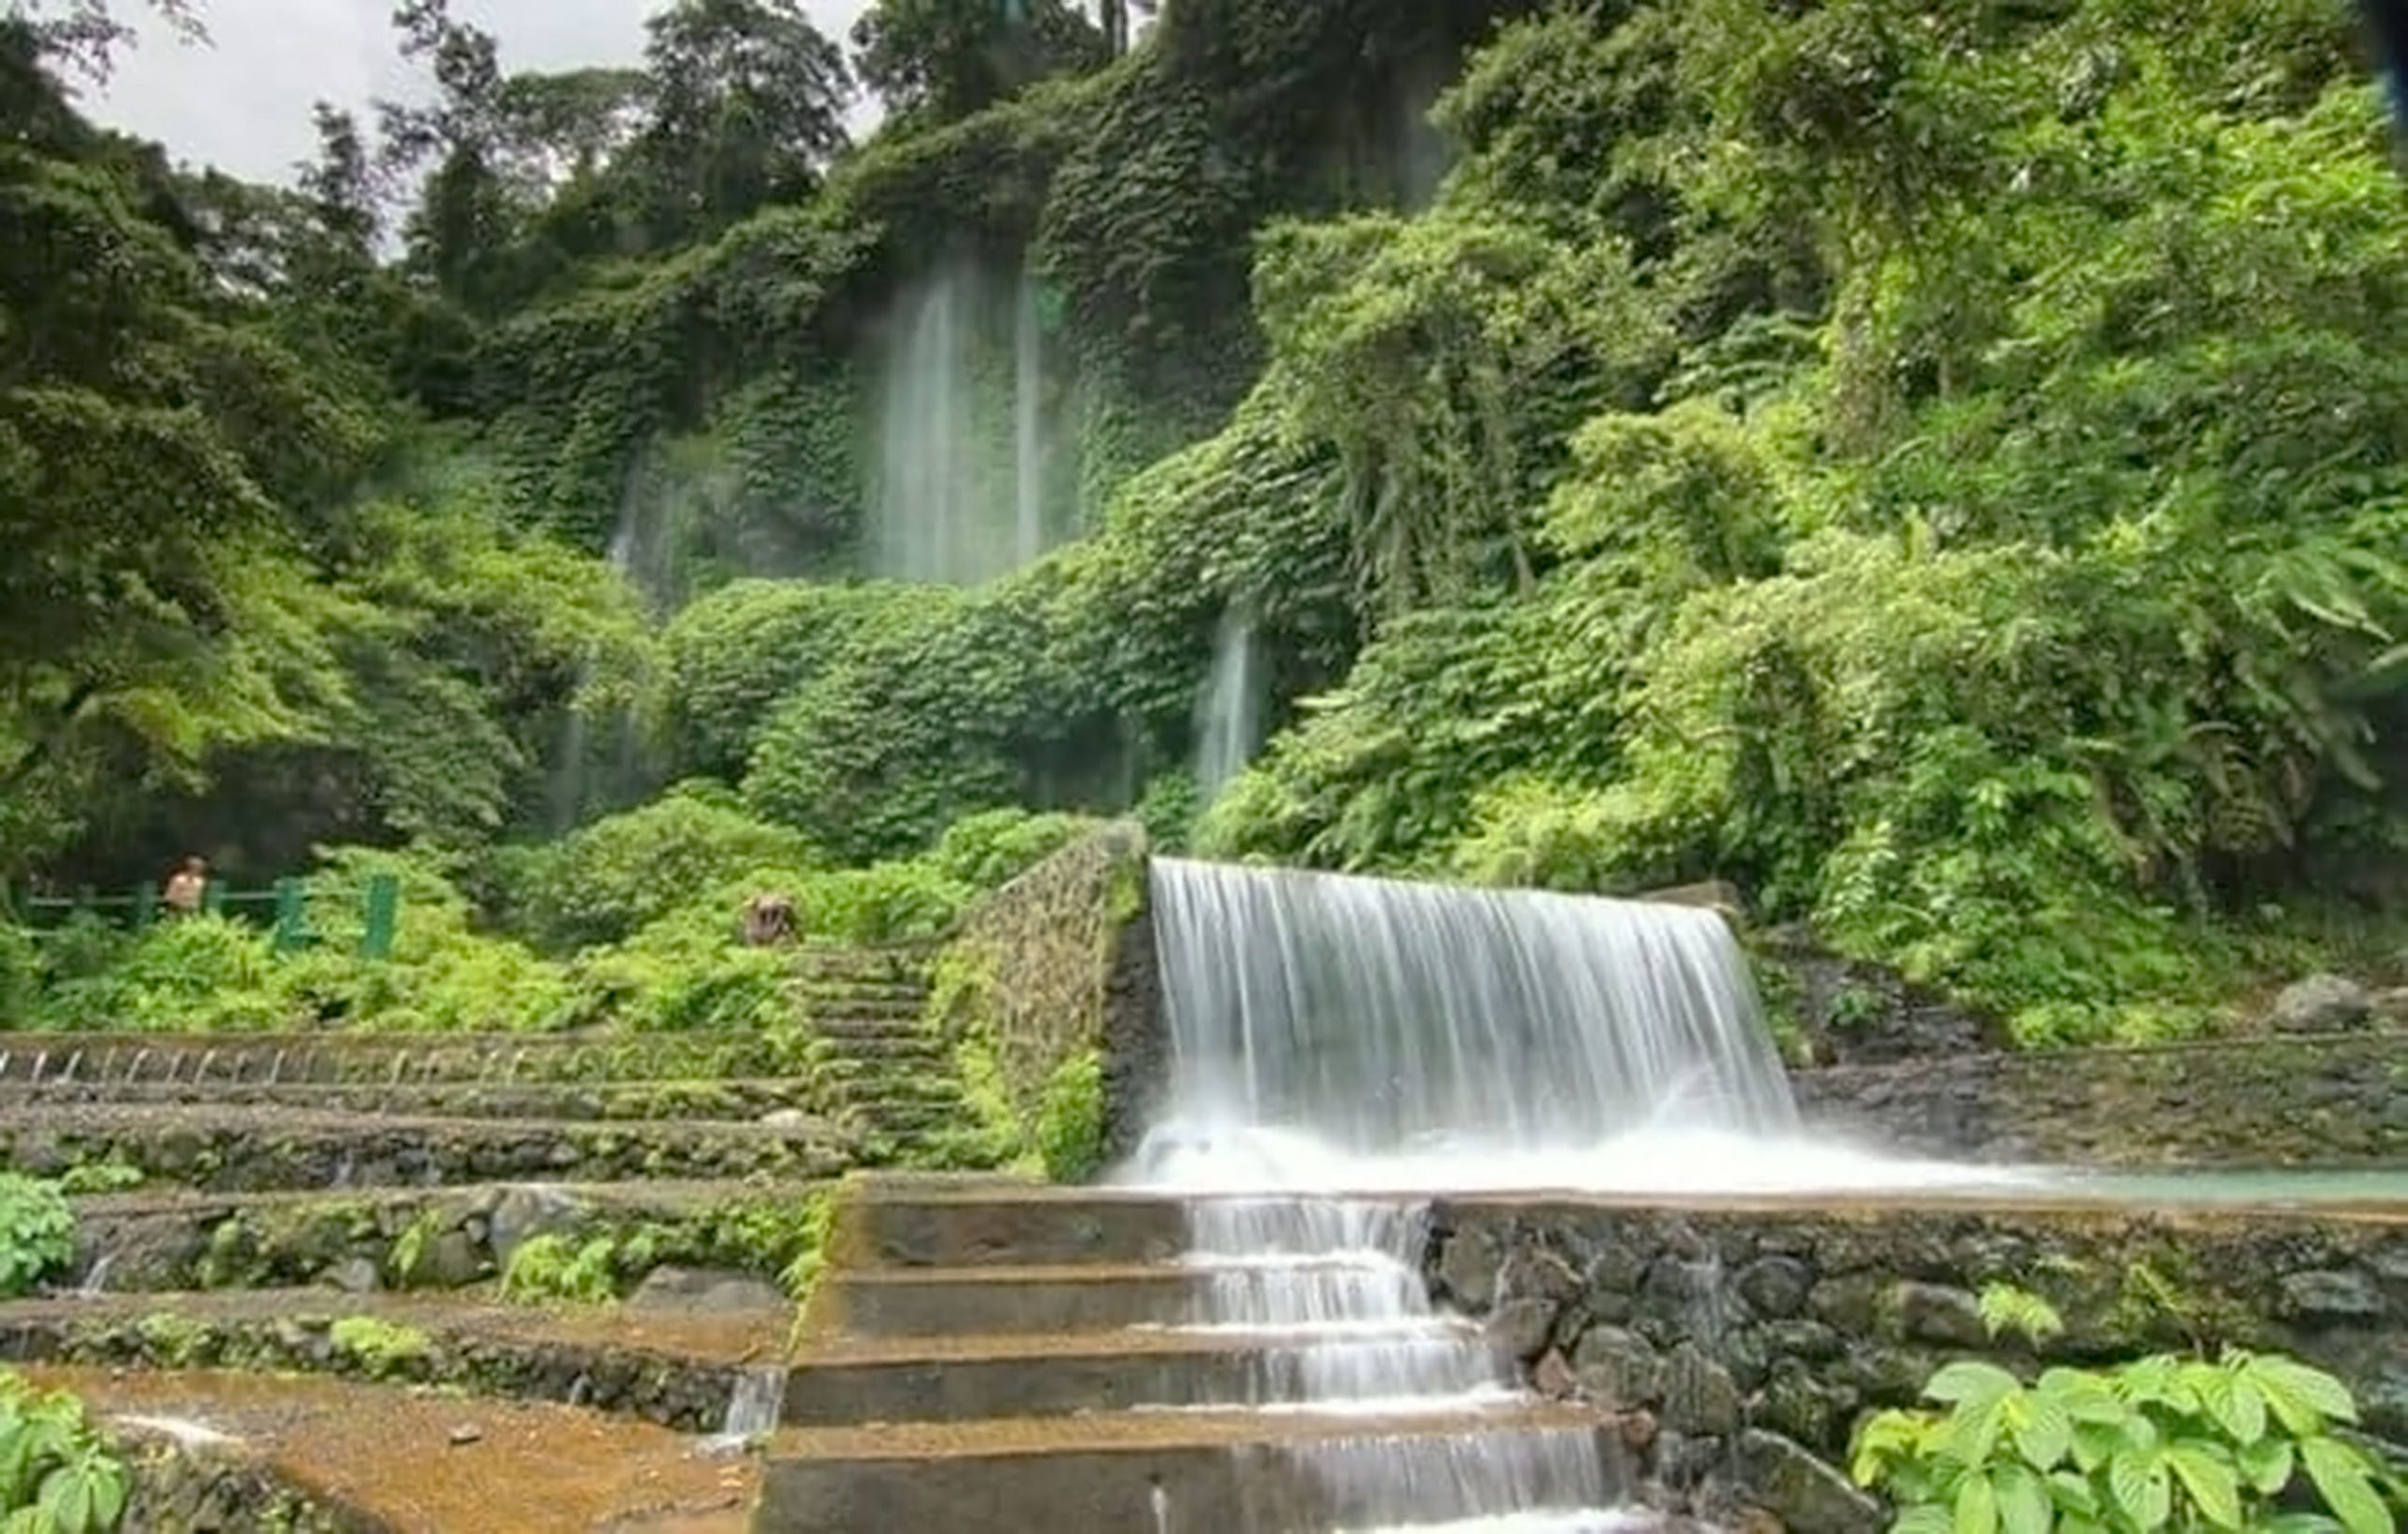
[1028,423]
[1332,1036]
[1229,721]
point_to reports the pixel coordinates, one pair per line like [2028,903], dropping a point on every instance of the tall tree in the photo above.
[938,61]
[748,102]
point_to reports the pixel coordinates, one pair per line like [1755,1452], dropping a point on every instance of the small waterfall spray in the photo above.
[1028,423]
[1229,714]
[755,1406]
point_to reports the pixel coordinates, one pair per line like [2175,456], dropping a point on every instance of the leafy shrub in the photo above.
[201,973]
[21,976]
[605,881]
[551,1267]
[1069,1120]
[2164,1443]
[888,902]
[57,1474]
[36,1232]
[990,851]
[383,1350]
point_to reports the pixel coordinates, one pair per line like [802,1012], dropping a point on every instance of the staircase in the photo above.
[988,1358]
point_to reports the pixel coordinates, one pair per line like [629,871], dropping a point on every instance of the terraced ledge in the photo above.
[1201,1469]
[179,1239]
[676,1370]
[731,1100]
[387,1459]
[264,1149]
[387,1059]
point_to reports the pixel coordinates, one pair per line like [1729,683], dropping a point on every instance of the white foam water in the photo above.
[1339,1044]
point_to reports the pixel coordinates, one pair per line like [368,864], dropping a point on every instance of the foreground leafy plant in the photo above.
[2164,1443]
[36,1232]
[57,1475]
[551,1267]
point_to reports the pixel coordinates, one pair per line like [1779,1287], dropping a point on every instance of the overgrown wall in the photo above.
[1028,993]
[2331,1100]
[1753,1338]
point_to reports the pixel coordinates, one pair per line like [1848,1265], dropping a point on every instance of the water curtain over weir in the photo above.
[1316,1013]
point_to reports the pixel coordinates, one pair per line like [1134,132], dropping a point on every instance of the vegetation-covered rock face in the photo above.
[1940,473]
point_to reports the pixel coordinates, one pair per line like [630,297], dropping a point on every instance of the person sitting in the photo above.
[768,920]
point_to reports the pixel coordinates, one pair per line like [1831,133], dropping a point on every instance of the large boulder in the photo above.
[705,1291]
[1806,1494]
[2322,1004]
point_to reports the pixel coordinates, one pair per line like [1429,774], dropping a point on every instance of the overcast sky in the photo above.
[241,100]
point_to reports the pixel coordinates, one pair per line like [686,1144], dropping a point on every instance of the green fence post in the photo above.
[145,906]
[384,915]
[290,905]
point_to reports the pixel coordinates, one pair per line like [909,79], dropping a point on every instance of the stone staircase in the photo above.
[274,1227]
[988,1358]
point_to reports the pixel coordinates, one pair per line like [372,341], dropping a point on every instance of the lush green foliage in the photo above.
[382,1349]
[553,1268]
[1069,1120]
[609,878]
[2162,1443]
[57,1475]
[37,1233]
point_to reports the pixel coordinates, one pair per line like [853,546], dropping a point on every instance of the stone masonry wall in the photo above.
[1032,969]
[1746,1342]
[2332,1101]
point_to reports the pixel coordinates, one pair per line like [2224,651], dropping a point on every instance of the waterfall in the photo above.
[1228,714]
[1374,1018]
[1028,440]
[755,1406]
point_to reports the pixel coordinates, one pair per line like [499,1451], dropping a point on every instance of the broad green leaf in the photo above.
[2043,1429]
[2267,1465]
[2095,1443]
[2023,1497]
[2340,1474]
[2074,1493]
[2209,1481]
[30,1519]
[2299,1523]
[1923,1518]
[2143,1491]
[1973,1428]
[1971,1380]
[67,1496]
[2231,1402]
[1977,1507]
[2302,1398]
[2085,1397]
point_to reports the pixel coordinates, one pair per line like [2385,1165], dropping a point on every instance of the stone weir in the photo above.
[1003,1358]
[996,1357]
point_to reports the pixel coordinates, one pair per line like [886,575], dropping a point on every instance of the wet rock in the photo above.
[2321,1003]
[466,1433]
[1845,1304]
[1616,1269]
[1467,1268]
[1638,1430]
[1553,1376]
[704,1290]
[1776,1288]
[355,1276]
[1700,1395]
[1806,1494]
[1937,1313]
[1522,1327]
[451,1260]
[524,1213]
[2331,1295]
[1535,1273]
[1797,1402]
[1809,1340]
[1618,1367]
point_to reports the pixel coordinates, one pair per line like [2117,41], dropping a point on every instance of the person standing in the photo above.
[186,887]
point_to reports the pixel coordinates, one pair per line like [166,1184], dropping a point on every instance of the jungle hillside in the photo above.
[1942,470]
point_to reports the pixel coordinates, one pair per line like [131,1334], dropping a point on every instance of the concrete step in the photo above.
[168,1239]
[392,1458]
[848,1382]
[1077,1297]
[394,1058]
[677,1370]
[268,1149]
[933,1223]
[1177,1472]
[730,1101]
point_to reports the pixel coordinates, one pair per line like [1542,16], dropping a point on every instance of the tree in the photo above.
[747,103]
[940,60]
[87,34]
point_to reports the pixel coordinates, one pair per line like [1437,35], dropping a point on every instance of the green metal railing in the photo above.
[284,910]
